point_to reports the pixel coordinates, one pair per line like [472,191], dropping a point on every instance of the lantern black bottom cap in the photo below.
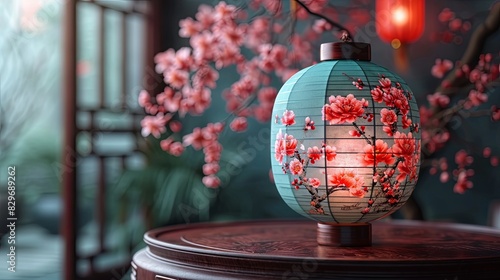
[344,235]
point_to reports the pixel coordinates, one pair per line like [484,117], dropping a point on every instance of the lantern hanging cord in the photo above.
[333,23]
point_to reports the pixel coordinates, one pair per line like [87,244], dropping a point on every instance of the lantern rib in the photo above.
[374,133]
[324,137]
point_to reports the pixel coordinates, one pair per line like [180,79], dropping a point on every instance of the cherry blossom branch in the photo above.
[445,115]
[368,140]
[333,23]
[490,25]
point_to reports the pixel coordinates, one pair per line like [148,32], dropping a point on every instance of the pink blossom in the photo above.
[211,181]
[495,113]
[203,46]
[164,60]
[404,145]
[212,151]
[233,36]
[330,152]
[346,178]
[211,168]
[354,133]
[239,124]
[314,154]
[188,27]
[176,149]
[441,67]
[205,16]
[183,59]
[388,117]
[395,97]
[379,153]
[224,11]
[166,143]
[377,94]
[258,32]
[476,98]
[343,109]
[171,100]
[357,192]
[408,168]
[385,82]
[277,28]
[455,24]
[475,75]
[296,167]
[196,100]
[301,50]
[406,122]
[462,158]
[154,125]
[443,164]
[314,182]
[288,118]
[462,183]
[272,57]
[228,55]
[279,147]
[195,139]
[309,124]
[494,161]
[425,115]
[203,137]
[444,177]
[205,76]
[263,112]
[213,129]
[446,15]
[144,99]
[176,78]
[438,100]
[267,95]
[284,145]
[175,126]
[321,25]
[487,152]
[388,130]
[244,87]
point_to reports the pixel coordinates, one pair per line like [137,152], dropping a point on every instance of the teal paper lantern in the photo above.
[345,143]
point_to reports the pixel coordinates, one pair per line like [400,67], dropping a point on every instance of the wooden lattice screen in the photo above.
[148,12]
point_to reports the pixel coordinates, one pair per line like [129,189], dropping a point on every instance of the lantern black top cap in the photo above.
[345,50]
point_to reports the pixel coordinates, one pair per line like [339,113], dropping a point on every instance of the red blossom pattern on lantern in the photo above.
[288,118]
[394,161]
[348,179]
[314,154]
[284,145]
[343,109]
[295,167]
[377,154]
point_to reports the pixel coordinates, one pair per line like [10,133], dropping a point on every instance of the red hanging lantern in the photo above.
[400,22]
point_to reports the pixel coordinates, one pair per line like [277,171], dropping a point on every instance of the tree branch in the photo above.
[333,23]
[476,44]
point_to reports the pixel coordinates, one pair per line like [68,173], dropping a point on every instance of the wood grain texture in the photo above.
[288,250]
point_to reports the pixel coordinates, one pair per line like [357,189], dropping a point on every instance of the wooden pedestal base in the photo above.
[345,235]
[267,250]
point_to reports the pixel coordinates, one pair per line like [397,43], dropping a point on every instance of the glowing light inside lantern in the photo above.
[399,16]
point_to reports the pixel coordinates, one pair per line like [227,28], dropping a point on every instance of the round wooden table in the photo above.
[288,250]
